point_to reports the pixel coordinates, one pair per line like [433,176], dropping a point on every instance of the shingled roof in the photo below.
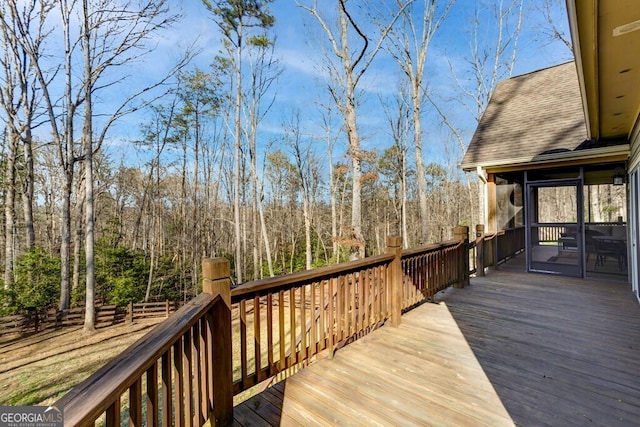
[530,115]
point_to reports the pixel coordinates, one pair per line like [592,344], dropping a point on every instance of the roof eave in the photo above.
[593,155]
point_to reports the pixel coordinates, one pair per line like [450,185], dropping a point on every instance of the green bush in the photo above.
[121,274]
[37,281]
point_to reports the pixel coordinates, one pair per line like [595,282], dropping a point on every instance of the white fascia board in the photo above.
[616,150]
[575,38]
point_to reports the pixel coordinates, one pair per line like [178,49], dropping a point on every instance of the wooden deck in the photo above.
[512,348]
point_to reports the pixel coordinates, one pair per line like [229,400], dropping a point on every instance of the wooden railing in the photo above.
[549,232]
[491,250]
[509,243]
[183,365]
[431,269]
[285,321]
[211,350]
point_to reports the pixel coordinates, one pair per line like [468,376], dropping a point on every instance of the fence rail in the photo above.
[106,315]
[217,346]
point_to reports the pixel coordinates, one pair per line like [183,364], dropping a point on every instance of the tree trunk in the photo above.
[65,243]
[239,264]
[9,208]
[78,216]
[27,190]
[422,188]
[356,197]
[87,136]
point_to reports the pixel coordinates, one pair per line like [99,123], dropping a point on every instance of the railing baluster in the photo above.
[281,330]
[433,277]
[374,296]
[243,341]
[188,379]
[113,414]
[353,290]
[204,370]
[383,289]
[313,345]
[371,284]
[167,408]
[331,319]
[292,327]
[178,384]
[423,276]
[339,309]
[257,336]
[135,404]
[197,375]
[152,395]
[303,323]
[323,304]
[209,363]
[270,334]
[345,306]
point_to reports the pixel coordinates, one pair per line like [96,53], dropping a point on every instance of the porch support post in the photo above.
[461,234]
[480,250]
[492,203]
[394,246]
[216,280]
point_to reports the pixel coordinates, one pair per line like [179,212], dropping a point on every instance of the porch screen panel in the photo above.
[555,234]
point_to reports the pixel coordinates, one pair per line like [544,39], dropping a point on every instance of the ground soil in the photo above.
[41,368]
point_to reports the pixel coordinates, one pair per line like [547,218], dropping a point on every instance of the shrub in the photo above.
[37,281]
[121,274]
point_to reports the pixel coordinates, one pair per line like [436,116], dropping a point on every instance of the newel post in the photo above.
[461,234]
[394,246]
[480,250]
[216,274]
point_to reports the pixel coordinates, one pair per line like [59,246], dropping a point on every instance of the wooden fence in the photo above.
[106,315]
[226,341]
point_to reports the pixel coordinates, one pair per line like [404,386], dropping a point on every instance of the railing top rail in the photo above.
[269,284]
[89,399]
[429,248]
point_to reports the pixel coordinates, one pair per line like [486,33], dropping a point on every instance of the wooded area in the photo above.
[82,226]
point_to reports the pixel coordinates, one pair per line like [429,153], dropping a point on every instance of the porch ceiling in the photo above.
[606,37]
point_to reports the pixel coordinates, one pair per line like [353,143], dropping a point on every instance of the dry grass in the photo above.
[41,368]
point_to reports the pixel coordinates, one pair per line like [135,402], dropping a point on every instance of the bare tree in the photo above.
[264,71]
[352,56]
[556,28]
[330,137]
[112,37]
[409,46]
[18,99]
[393,163]
[490,58]
[61,123]
[305,166]
[236,18]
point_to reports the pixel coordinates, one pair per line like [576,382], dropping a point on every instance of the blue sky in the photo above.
[299,87]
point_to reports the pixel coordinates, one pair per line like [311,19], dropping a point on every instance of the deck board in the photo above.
[511,349]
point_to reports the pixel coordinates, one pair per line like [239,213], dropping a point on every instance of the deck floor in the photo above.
[511,349]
